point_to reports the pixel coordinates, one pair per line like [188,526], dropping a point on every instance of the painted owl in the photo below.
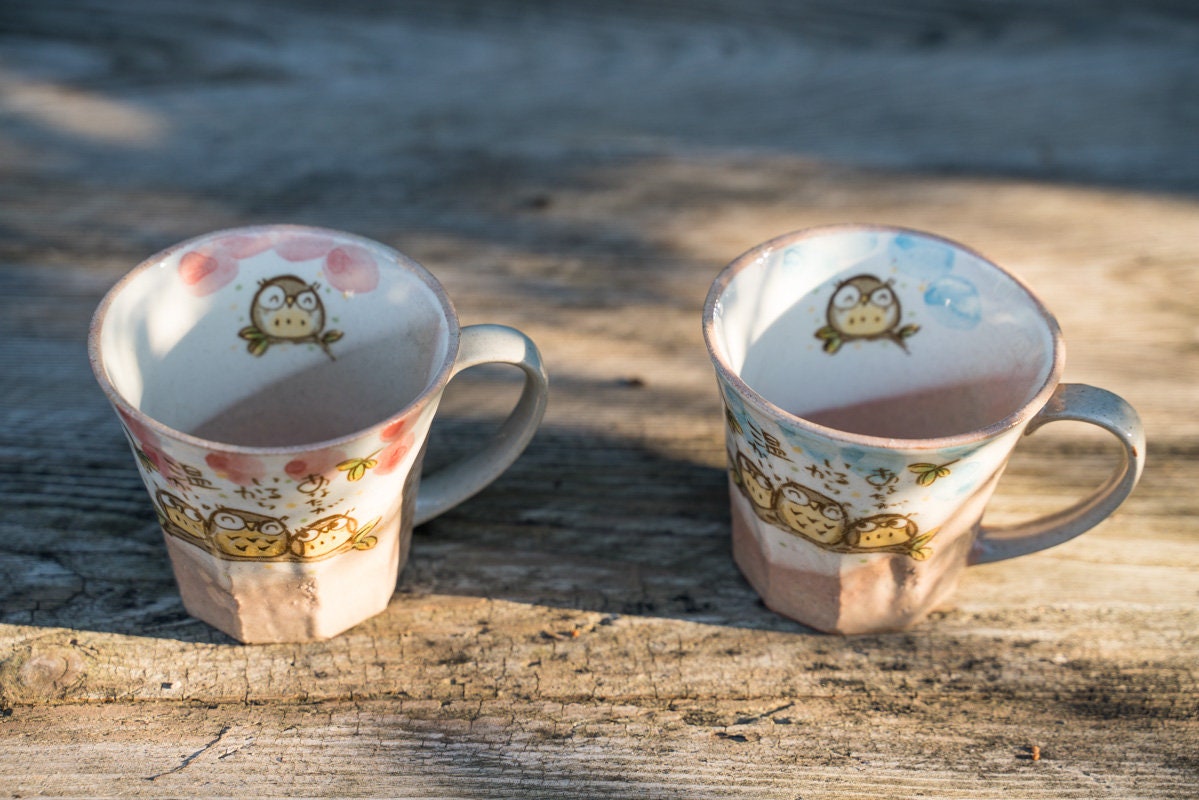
[247,534]
[178,517]
[757,487]
[864,307]
[809,513]
[323,536]
[287,309]
[882,530]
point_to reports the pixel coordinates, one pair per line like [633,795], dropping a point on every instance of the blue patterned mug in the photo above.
[875,381]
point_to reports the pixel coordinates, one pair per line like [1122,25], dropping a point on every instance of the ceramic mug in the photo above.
[875,381]
[277,385]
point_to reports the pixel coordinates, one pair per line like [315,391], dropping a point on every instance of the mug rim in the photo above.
[434,385]
[1016,418]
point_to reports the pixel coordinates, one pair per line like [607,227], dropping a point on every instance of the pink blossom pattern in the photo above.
[321,462]
[391,455]
[393,430]
[207,269]
[398,441]
[350,268]
[303,246]
[214,264]
[244,245]
[238,468]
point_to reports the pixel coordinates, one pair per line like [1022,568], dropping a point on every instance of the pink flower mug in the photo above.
[277,385]
[875,381]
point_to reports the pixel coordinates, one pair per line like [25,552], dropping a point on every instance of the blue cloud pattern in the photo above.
[954,302]
[920,258]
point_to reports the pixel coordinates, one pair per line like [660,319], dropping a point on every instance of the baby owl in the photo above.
[288,308]
[864,307]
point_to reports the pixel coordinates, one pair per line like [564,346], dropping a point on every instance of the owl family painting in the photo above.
[240,535]
[823,521]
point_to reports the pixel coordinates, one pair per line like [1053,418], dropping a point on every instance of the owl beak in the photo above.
[290,301]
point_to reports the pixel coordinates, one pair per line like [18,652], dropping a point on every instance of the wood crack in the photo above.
[187,761]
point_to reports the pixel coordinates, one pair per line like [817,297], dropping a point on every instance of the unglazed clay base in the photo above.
[284,601]
[853,592]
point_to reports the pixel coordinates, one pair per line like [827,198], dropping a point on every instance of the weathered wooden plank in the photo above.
[790,747]
[447,646]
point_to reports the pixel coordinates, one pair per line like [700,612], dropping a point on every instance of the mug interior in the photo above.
[274,336]
[881,332]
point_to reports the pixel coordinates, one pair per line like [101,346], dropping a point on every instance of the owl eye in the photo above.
[847,297]
[307,300]
[834,513]
[797,496]
[865,526]
[230,522]
[192,514]
[272,297]
[169,501]
[882,296]
[271,528]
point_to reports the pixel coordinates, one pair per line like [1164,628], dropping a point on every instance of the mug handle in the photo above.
[1082,403]
[454,483]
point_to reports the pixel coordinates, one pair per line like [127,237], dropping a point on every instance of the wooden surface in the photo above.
[582,171]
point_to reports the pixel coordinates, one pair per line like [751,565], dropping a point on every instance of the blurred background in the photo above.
[534,126]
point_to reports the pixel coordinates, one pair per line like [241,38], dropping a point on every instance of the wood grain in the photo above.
[582,172]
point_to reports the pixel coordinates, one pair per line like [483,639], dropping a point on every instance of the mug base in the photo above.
[843,593]
[261,602]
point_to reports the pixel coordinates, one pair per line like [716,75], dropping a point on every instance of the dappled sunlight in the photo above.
[92,116]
